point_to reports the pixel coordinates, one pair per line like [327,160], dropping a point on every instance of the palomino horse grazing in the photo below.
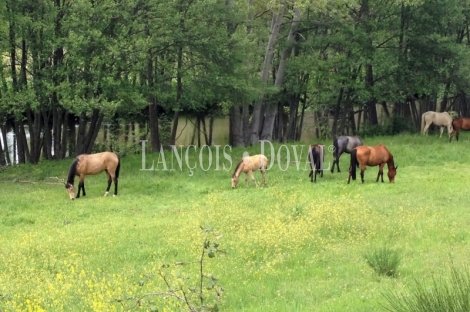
[372,156]
[249,164]
[88,164]
[343,144]
[316,156]
[458,124]
[442,120]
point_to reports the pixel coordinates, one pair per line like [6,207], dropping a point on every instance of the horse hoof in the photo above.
[106,194]
[114,195]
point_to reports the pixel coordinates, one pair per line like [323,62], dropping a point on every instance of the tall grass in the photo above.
[443,293]
[291,246]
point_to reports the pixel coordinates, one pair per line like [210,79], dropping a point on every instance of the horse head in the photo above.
[392,172]
[234,181]
[70,189]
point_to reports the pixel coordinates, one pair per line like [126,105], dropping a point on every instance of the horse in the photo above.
[343,144]
[316,156]
[458,124]
[248,164]
[439,119]
[90,164]
[372,156]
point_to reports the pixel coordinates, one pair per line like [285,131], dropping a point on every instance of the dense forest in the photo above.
[70,65]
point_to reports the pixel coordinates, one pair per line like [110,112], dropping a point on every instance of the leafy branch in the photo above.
[193,297]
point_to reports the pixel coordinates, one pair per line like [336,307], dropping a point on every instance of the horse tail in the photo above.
[422,122]
[116,174]
[353,163]
[335,148]
[310,158]
[321,157]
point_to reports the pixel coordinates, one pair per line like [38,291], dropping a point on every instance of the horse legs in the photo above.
[335,162]
[425,130]
[253,178]
[263,175]
[442,130]
[115,185]
[363,168]
[109,183]
[380,173]
[246,179]
[81,186]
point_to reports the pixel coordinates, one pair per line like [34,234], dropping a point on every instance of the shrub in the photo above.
[384,261]
[451,294]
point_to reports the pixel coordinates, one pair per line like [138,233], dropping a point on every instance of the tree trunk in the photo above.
[34,125]
[268,58]
[20,146]
[236,133]
[6,149]
[272,110]
[371,103]
[334,128]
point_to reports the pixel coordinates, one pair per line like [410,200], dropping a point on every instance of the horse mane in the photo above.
[72,172]
[236,168]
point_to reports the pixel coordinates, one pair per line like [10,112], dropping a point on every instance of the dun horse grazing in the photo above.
[89,164]
[316,156]
[249,164]
[372,156]
[458,124]
[443,120]
[343,144]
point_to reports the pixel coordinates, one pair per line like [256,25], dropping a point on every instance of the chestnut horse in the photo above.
[443,120]
[248,164]
[343,144]
[89,164]
[316,156]
[458,124]
[372,156]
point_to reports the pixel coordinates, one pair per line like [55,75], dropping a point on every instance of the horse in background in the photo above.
[248,164]
[316,156]
[90,164]
[343,144]
[372,156]
[443,120]
[459,124]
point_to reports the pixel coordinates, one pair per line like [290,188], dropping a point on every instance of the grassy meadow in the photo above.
[291,246]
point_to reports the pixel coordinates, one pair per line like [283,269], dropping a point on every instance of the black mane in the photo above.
[72,172]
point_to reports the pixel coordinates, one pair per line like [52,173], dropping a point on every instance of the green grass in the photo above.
[292,246]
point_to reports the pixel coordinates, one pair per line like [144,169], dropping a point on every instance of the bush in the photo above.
[384,261]
[391,126]
[442,295]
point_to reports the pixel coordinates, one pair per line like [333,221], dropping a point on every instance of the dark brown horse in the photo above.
[89,164]
[248,164]
[316,156]
[458,124]
[372,156]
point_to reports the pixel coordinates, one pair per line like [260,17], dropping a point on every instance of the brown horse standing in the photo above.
[89,164]
[372,156]
[248,164]
[316,156]
[458,124]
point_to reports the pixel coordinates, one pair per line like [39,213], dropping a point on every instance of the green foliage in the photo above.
[391,126]
[192,297]
[442,293]
[384,261]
